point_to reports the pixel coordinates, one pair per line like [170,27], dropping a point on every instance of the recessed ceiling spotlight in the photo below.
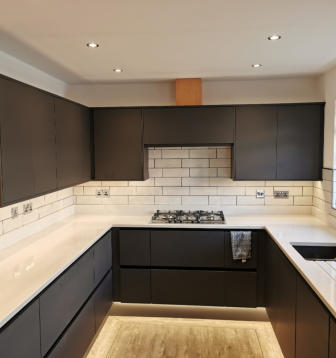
[274,37]
[256,65]
[118,70]
[92,45]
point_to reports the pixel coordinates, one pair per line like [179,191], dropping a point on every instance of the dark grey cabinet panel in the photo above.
[28,151]
[60,302]
[134,247]
[102,252]
[312,324]
[187,248]
[21,338]
[238,264]
[103,299]
[78,336]
[332,337]
[300,142]
[119,148]
[240,289]
[73,143]
[135,285]
[255,143]
[188,126]
[280,296]
[188,287]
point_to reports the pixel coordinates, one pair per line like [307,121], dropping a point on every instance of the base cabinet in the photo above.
[135,285]
[280,297]
[312,324]
[103,300]
[21,338]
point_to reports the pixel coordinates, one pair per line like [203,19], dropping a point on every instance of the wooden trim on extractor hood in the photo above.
[189,92]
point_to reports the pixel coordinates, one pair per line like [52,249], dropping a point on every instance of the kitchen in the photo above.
[167,186]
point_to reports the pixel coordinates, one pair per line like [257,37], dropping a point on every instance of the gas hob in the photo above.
[188,217]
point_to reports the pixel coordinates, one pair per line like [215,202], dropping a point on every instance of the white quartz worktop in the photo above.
[28,266]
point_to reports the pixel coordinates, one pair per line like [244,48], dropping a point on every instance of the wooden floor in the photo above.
[167,337]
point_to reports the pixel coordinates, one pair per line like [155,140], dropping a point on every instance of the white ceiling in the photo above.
[167,39]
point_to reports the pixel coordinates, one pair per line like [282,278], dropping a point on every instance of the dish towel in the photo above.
[241,245]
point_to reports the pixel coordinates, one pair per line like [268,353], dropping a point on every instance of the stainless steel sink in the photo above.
[316,251]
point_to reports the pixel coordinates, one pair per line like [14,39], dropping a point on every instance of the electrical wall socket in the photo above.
[99,192]
[106,192]
[260,194]
[281,194]
[14,212]
[27,208]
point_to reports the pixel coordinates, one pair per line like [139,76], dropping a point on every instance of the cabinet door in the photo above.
[255,144]
[187,248]
[62,300]
[77,338]
[103,300]
[188,126]
[28,152]
[280,296]
[332,337]
[21,337]
[119,149]
[188,287]
[102,257]
[73,143]
[312,324]
[300,142]
[135,285]
[134,247]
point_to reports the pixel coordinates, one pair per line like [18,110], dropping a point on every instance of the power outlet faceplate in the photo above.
[260,194]
[14,212]
[27,208]
[281,194]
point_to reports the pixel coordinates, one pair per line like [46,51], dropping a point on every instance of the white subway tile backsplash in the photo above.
[141,200]
[176,190]
[197,177]
[168,181]
[173,173]
[168,163]
[175,153]
[203,172]
[195,163]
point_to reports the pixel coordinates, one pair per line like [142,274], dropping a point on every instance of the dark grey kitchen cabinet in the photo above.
[280,297]
[312,324]
[134,247]
[135,285]
[21,338]
[332,337]
[189,125]
[103,299]
[188,287]
[187,248]
[28,152]
[119,147]
[60,302]
[72,143]
[102,252]
[255,142]
[300,142]
[77,338]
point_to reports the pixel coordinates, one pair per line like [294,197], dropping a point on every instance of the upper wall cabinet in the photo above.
[255,145]
[28,152]
[119,148]
[189,125]
[300,142]
[283,142]
[73,143]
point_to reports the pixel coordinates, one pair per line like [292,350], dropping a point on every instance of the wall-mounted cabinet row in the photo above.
[62,321]
[45,142]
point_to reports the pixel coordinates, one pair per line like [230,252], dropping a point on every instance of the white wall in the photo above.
[21,71]
[328,90]
[277,90]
